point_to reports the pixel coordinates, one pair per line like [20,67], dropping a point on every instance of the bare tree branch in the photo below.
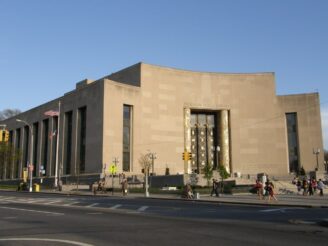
[8,113]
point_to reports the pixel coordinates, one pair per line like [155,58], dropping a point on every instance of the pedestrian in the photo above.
[314,185]
[215,187]
[259,189]
[299,186]
[320,187]
[188,192]
[310,188]
[271,192]
[124,184]
[305,187]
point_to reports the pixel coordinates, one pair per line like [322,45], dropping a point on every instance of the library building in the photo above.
[186,120]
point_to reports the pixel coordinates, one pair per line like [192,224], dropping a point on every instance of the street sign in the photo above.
[112,169]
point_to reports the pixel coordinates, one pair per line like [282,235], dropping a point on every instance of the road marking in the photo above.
[143,208]
[116,206]
[92,205]
[8,197]
[70,204]
[47,240]
[47,203]
[283,210]
[30,210]
[32,201]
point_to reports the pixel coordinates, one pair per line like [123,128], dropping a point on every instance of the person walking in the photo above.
[310,188]
[299,187]
[305,187]
[215,187]
[320,187]
[271,192]
[124,186]
[259,189]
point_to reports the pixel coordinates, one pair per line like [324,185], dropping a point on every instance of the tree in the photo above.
[8,155]
[8,113]
[223,174]
[145,162]
[208,173]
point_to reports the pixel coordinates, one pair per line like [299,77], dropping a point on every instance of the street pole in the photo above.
[115,162]
[30,167]
[316,152]
[146,182]
[57,148]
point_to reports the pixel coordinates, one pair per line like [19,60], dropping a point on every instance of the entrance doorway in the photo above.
[204,140]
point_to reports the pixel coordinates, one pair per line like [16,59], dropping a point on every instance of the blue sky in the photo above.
[48,46]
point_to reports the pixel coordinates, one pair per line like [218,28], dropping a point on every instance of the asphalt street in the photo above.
[51,219]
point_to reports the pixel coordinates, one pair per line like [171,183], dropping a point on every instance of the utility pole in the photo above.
[30,166]
[115,161]
[152,156]
[316,152]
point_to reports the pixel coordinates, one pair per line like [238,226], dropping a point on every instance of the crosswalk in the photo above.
[71,202]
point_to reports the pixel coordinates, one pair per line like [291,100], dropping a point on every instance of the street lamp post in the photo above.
[217,156]
[316,152]
[31,152]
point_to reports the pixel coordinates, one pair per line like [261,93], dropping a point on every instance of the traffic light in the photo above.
[6,136]
[1,135]
[186,156]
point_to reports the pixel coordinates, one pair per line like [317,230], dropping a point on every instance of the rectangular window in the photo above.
[292,135]
[45,134]
[26,146]
[9,163]
[35,145]
[68,141]
[82,126]
[127,132]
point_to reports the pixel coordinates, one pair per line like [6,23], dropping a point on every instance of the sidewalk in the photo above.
[291,200]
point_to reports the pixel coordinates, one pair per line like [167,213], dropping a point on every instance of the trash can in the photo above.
[36,187]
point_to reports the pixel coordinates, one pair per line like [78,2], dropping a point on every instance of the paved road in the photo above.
[137,221]
[173,208]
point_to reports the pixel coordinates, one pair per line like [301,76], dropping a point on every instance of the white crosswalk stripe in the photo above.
[143,208]
[116,206]
[70,204]
[92,205]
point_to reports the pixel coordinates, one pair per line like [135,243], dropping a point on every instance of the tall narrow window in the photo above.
[26,146]
[82,126]
[9,163]
[45,134]
[35,145]
[68,141]
[17,147]
[291,119]
[127,124]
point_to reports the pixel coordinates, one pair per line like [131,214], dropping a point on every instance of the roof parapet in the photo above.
[83,83]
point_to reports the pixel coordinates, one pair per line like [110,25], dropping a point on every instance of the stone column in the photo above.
[225,142]
[187,137]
